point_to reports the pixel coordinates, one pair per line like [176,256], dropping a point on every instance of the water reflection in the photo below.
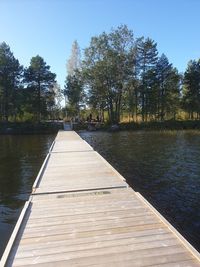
[164,167]
[20,160]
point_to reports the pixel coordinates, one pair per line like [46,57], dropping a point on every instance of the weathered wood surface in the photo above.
[102,222]
[94,229]
[78,171]
[68,141]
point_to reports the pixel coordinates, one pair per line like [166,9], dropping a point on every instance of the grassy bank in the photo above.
[30,127]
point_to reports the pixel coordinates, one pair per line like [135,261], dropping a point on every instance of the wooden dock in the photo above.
[82,213]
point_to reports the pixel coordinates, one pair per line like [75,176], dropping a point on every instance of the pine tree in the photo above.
[191,93]
[147,57]
[10,77]
[74,92]
[39,78]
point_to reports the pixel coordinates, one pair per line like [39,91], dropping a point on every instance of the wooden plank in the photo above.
[72,146]
[14,235]
[158,228]
[135,226]
[179,259]
[162,240]
[186,263]
[176,260]
[90,211]
[143,236]
[84,196]
[67,136]
[138,253]
[70,177]
[37,180]
[101,201]
[82,218]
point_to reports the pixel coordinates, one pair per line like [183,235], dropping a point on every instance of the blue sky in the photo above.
[49,27]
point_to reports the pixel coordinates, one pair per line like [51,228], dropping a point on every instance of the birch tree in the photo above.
[74,62]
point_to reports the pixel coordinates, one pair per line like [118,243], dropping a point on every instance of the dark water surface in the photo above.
[20,160]
[164,167]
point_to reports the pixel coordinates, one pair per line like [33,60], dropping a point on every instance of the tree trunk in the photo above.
[119,108]
[111,111]
[6,105]
[136,105]
[142,105]
[39,102]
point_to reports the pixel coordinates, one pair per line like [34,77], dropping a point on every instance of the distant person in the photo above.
[98,118]
[90,116]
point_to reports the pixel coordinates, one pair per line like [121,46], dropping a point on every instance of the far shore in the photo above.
[52,127]
[147,126]
[19,128]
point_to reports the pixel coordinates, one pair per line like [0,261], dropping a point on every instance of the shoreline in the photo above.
[146,126]
[52,127]
[17,128]
[165,125]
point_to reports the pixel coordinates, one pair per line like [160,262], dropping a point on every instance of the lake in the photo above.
[20,160]
[162,166]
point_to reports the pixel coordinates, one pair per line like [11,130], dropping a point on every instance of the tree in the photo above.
[73,89]
[173,93]
[55,101]
[10,77]
[147,57]
[191,91]
[74,62]
[168,88]
[96,93]
[108,66]
[74,92]
[40,79]
[58,92]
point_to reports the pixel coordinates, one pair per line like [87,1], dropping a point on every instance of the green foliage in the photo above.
[10,77]
[108,64]
[191,89]
[168,89]
[74,93]
[121,73]
[27,94]
[40,80]
[147,58]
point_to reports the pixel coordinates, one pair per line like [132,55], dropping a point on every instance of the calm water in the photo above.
[163,167]
[20,160]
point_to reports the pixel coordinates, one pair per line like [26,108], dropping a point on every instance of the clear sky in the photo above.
[49,27]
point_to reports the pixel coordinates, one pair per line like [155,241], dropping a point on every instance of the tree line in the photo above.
[120,74]
[26,93]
